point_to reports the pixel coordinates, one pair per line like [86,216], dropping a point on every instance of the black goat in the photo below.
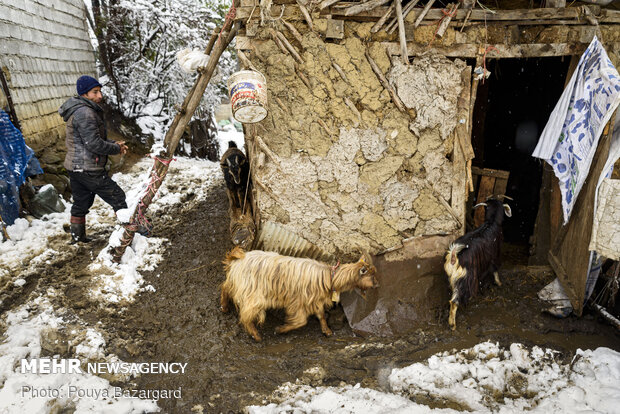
[236,170]
[474,256]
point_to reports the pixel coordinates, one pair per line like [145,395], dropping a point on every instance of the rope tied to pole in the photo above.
[160,168]
[230,16]
[446,13]
[484,61]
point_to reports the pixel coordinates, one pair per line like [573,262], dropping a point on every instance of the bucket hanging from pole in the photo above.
[248,96]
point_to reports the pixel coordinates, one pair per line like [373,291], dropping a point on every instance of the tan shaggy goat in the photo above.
[257,280]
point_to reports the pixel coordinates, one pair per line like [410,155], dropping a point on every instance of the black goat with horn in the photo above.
[236,170]
[473,257]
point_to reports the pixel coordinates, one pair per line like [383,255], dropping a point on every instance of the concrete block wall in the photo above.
[44,48]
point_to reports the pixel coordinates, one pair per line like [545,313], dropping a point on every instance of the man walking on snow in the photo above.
[87,154]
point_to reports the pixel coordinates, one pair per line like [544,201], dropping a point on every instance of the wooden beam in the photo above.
[543,16]
[364,7]
[469,50]
[570,254]
[490,173]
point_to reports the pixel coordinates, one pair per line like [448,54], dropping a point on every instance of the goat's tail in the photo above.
[453,268]
[232,144]
[235,254]
[453,251]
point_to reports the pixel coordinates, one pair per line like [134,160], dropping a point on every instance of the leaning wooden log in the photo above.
[245,61]
[443,26]
[280,103]
[375,68]
[365,6]
[325,127]
[353,109]
[327,3]
[423,13]
[174,134]
[289,46]
[293,31]
[606,315]
[383,19]
[340,72]
[303,77]
[465,20]
[401,32]
[394,23]
[306,15]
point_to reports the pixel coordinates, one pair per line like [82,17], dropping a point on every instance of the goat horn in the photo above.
[479,204]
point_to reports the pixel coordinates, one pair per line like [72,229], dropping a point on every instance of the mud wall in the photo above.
[336,162]
[44,48]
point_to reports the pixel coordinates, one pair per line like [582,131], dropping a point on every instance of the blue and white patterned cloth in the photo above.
[571,135]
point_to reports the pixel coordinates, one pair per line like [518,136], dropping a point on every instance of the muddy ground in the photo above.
[181,322]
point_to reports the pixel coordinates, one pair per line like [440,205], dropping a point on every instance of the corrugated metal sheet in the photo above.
[274,237]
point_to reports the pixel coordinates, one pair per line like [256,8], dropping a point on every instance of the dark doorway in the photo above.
[512,108]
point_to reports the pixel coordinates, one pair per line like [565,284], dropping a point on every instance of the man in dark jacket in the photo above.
[87,153]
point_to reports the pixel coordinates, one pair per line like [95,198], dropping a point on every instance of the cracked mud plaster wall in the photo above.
[363,179]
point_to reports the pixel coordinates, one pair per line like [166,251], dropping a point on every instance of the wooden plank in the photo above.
[488,172]
[541,237]
[459,159]
[549,216]
[499,15]
[543,16]
[571,248]
[470,50]
[485,189]
[364,7]
[500,186]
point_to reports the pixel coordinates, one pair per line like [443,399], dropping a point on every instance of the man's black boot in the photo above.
[78,230]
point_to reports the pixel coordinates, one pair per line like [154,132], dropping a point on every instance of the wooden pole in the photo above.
[375,68]
[423,13]
[174,134]
[401,32]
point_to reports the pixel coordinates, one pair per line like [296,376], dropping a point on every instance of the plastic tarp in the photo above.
[17,161]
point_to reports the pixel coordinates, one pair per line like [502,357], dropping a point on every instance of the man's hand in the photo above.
[123,147]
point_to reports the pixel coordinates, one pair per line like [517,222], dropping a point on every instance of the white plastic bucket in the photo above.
[248,96]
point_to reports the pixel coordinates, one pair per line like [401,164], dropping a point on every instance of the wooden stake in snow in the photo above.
[175,132]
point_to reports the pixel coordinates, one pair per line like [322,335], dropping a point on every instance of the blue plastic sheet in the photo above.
[17,161]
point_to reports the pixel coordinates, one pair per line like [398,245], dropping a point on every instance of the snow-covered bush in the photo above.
[137,42]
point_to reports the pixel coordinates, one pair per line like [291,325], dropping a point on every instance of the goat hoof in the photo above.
[328,332]
[257,338]
[224,309]
[453,327]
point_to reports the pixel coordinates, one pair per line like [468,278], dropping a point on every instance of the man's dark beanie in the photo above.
[86,83]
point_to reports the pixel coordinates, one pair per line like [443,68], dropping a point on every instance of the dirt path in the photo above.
[181,322]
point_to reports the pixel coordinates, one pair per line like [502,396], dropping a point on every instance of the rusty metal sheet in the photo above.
[413,290]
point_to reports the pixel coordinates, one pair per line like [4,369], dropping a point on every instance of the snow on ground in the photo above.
[482,379]
[186,177]
[28,242]
[29,248]
[22,392]
[229,133]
